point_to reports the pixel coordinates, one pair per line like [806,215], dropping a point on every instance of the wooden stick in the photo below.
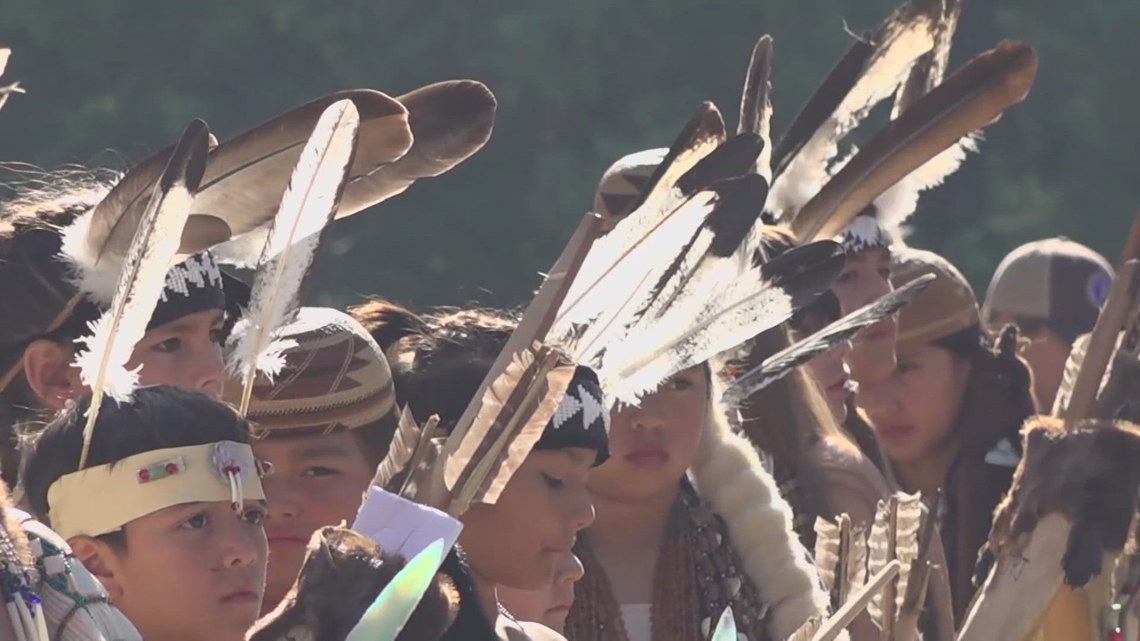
[859,602]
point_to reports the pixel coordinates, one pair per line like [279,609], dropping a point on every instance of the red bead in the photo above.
[144,475]
[171,469]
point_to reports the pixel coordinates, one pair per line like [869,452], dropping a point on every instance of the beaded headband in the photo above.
[102,499]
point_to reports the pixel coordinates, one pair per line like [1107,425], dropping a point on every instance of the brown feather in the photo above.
[247,175]
[534,385]
[756,103]
[972,99]
[450,121]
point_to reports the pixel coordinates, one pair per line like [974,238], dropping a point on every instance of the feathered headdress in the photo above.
[866,197]
[673,283]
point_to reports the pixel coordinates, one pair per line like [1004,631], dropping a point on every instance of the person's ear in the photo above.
[101,561]
[49,370]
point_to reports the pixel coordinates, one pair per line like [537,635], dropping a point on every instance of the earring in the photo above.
[68,403]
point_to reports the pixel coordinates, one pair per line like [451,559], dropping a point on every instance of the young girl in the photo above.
[667,554]
[167,515]
[438,363]
[550,604]
[948,416]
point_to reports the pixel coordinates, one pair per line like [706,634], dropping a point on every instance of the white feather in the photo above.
[885,72]
[617,275]
[306,208]
[102,365]
[742,308]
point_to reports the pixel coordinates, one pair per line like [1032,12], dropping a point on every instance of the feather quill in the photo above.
[306,208]
[779,364]
[756,103]
[971,99]
[389,613]
[102,365]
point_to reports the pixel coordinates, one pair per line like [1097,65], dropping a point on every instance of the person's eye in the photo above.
[196,522]
[168,346]
[552,482]
[906,366]
[253,516]
[319,471]
[847,277]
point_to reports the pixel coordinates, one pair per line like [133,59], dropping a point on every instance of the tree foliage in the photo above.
[579,84]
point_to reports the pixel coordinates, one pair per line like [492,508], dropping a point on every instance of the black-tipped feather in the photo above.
[756,103]
[781,363]
[971,99]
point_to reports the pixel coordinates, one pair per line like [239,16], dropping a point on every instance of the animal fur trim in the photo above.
[1089,475]
[729,475]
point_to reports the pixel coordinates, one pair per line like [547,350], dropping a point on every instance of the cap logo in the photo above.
[1097,289]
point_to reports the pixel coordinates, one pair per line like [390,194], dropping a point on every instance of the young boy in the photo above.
[167,514]
[324,424]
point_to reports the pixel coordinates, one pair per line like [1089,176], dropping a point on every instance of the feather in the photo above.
[102,365]
[930,67]
[449,121]
[400,451]
[725,627]
[246,177]
[626,263]
[7,90]
[762,298]
[907,34]
[701,135]
[515,411]
[971,99]
[779,364]
[894,537]
[827,546]
[710,257]
[756,103]
[425,448]
[386,617]
[485,445]
[306,208]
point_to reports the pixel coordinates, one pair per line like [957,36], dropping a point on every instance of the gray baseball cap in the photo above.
[1056,281]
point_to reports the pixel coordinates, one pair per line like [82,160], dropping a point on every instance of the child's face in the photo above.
[520,540]
[186,353]
[316,481]
[192,572]
[551,604]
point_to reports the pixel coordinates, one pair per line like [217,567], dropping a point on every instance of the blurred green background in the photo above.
[579,84]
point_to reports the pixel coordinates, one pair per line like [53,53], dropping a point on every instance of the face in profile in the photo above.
[521,539]
[317,481]
[829,370]
[548,605]
[653,444]
[913,411]
[866,276]
[191,572]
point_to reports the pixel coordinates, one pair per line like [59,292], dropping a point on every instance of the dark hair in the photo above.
[438,360]
[154,418]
